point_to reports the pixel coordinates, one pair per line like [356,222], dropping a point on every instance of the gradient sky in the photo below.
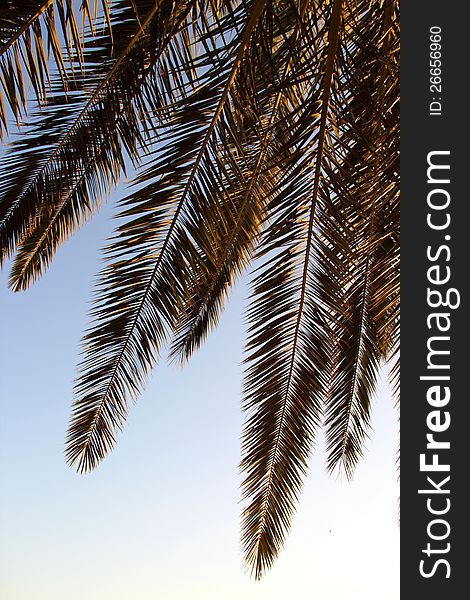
[159,519]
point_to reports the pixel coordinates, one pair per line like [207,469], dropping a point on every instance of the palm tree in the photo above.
[263,133]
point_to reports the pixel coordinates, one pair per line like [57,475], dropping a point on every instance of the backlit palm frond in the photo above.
[386,269]
[31,31]
[358,237]
[357,361]
[226,228]
[287,368]
[355,304]
[137,307]
[33,160]
[74,167]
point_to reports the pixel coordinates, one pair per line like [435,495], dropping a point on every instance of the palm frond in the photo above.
[128,332]
[287,344]
[358,237]
[226,228]
[31,32]
[91,156]
[341,323]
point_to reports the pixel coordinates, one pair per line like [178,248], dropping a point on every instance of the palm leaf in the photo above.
[358,240]
[286,349]
[128,332]
[318,334]
[109,127]
[226,229]
[71,170]
[28,34]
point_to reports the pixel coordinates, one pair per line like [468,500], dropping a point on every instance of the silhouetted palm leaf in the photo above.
[30,32]
[84,152]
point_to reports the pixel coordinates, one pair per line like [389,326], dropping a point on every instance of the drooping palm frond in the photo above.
[345,309]
[361,217]
[31,31]
[130,329]
[85,153]
[33,155]
[288,342]
[227,229]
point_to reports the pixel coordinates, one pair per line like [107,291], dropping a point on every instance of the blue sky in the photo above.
[160,517]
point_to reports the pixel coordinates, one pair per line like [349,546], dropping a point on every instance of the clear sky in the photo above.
[160,517]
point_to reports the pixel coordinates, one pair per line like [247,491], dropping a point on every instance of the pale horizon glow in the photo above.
[160,517]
